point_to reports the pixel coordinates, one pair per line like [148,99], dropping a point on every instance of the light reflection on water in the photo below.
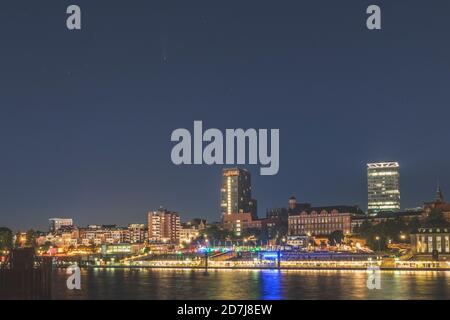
[251,284]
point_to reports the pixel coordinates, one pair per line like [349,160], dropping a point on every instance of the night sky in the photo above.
[86,116]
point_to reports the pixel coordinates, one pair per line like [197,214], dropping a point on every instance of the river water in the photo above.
[250,284]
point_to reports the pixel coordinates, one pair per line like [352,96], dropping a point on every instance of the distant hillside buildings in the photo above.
[57,223]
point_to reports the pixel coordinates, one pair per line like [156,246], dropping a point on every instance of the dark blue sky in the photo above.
[86,116]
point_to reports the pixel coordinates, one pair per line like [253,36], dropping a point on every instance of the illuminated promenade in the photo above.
[287,260]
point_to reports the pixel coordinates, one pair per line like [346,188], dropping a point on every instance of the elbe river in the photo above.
[180,284]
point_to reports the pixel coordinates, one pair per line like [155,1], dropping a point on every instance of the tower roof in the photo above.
[439,195]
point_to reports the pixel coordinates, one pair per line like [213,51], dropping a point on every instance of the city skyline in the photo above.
[224,158]
[230,171]
[88,114]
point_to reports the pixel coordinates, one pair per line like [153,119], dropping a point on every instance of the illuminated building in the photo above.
[419,214]
[383,181]
[105,234]
[57,223]
[191,230]
[431,242]
[137,233]
[239,222]
[188,233]
[120,249]
[322,220]
[236,193]
[164,226]
[66,236]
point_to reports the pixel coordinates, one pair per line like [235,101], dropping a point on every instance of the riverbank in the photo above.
[263,268]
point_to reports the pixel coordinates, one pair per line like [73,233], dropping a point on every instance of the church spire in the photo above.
[439,195]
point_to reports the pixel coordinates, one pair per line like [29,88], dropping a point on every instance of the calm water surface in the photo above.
[251,284]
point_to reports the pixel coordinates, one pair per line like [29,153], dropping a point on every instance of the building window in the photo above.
[424,245]
[438,244]
[430,244]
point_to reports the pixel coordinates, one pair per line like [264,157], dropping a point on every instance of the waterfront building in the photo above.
[105,234]
[56,223]
[321,221]
[191,230]
[137,233]
[164,226]
[236,193]
[68,236]
[188,232]
[64,237]
[383,181]
[431,243]
[239,222]
[120,249]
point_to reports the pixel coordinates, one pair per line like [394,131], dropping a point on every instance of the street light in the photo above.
[378,239]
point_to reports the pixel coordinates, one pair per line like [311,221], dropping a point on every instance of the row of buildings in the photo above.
[302,218]
[163,226]
[383,181]
[239,215]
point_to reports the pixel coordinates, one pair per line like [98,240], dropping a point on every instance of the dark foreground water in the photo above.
[250,284]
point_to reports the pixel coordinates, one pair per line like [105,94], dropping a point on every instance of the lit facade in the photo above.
[164,226]
[236,193]
[431,242]
[239,222]
[105,234]
[57,223]
[383,180]
[137,233]
[188,234]
[121,249]
[319,221]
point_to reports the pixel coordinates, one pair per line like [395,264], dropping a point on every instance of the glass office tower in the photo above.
[383,180]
